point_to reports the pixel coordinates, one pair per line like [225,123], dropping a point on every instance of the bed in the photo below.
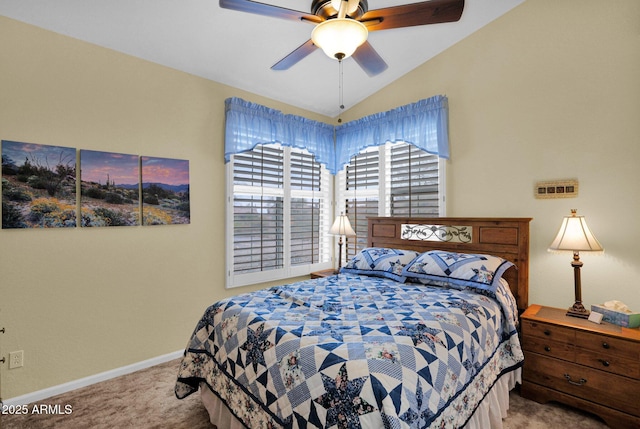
[417,331]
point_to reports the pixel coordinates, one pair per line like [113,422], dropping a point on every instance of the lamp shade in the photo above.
[339,37]
[575,235]
[342,226]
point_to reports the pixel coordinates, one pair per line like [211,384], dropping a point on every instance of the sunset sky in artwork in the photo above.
[98,166]
[165,170]
[38,154]
[119,168]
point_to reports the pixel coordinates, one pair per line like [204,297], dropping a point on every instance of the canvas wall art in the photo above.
[110,184]
[38,186]
[165,191]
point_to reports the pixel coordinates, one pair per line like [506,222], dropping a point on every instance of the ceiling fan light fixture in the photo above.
[339,37]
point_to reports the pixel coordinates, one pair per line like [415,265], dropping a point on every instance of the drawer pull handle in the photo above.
[604,362]
[605,345]
[547,332]
[547,348]
[575,383]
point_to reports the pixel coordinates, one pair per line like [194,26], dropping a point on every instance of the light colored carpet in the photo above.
[145,400]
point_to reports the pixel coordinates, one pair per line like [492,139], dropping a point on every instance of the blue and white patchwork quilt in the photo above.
[351,351]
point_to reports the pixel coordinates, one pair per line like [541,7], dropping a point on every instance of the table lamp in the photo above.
[341,226]
[574,235]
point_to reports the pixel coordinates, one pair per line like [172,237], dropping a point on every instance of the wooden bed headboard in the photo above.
[507,238]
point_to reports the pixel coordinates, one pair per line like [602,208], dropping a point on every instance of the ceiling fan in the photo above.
[351,20]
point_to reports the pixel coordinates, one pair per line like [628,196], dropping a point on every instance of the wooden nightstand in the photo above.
[582,364]
[322,273]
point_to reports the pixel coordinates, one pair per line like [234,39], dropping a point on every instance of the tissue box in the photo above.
[628,320]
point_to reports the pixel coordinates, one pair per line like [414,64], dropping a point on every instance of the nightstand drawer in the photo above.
[545,346]
[609,362]
[608,345]
[548,331]
[620,393]
[608,354]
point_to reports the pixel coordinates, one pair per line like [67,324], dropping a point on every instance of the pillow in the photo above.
[380,262]
[458,269]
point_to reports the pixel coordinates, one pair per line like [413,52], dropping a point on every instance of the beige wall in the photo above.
[548,91]
[83,301]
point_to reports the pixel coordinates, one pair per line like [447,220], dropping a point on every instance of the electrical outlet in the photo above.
[16,359]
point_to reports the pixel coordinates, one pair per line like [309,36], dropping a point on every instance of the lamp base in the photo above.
[578,310]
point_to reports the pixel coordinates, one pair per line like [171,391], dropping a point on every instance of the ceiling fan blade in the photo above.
[370,61]
[269,10]
[409,15]
[299,53]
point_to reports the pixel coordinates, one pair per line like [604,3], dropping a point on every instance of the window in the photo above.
[306,209]
[361,195]
[280,200]
[413,185]
[395,179]
[280,211]
[258,224]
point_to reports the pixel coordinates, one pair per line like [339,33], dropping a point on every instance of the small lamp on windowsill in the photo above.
[341,226]
[574,235]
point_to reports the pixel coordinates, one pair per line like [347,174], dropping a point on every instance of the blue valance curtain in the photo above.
[249,124]
[425,124]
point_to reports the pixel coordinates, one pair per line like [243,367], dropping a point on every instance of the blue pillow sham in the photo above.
[458,270]
[381,262]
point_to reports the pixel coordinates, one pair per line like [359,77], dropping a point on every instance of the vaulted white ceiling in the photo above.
[238,49]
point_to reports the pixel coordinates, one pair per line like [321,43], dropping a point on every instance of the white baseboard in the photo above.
[92,379]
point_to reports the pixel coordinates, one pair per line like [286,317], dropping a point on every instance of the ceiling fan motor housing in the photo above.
[325,9]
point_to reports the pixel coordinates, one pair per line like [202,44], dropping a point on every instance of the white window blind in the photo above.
[279,215]
[390,180]
[413,185]
[258,227]
[306,209]
[361,184]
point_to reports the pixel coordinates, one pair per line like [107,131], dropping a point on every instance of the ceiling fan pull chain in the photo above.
[340,88]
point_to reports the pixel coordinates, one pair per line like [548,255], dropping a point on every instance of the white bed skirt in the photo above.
[495,405]
[489,414]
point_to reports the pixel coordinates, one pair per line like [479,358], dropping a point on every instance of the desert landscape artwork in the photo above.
[165,191]
[110,189]
[38,186]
